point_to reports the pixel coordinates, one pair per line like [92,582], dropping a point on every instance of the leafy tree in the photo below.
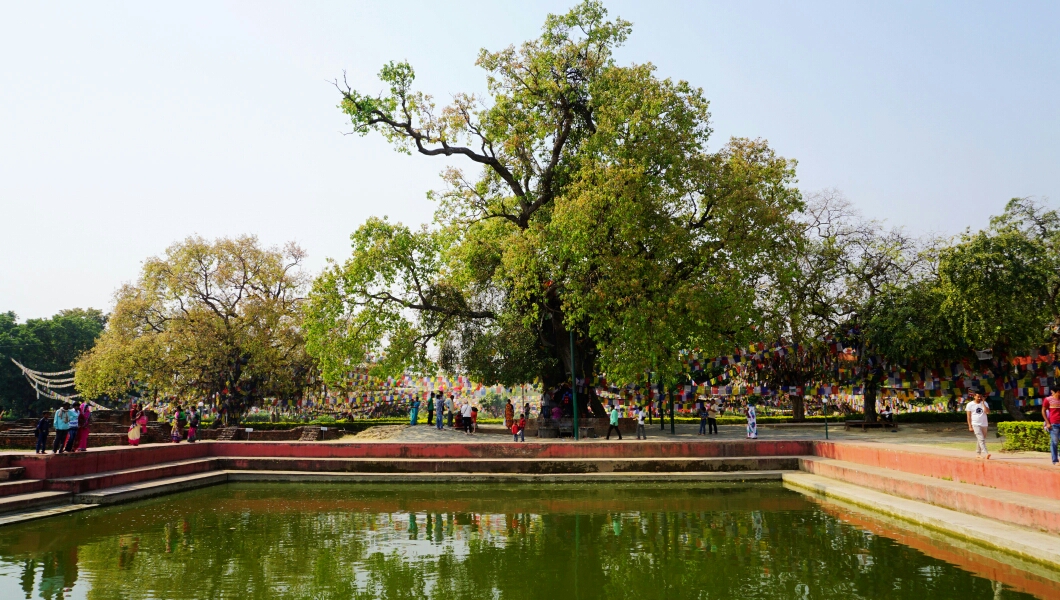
[595,212]
[996,293]
[218,317]
[43,345]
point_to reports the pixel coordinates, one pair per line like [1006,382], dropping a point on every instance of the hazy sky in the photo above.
[126,127]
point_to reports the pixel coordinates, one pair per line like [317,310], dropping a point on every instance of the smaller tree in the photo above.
[208,318]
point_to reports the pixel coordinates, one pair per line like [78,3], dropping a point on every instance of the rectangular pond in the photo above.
[554,542]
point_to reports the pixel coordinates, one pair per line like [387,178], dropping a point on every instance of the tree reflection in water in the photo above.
[450,542]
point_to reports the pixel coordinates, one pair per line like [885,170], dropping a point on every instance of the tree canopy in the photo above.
[586,205]
[207,318]
[43,345]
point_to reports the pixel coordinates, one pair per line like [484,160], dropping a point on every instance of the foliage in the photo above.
[1024,435]
[218,317]
[47,345]
[596,212]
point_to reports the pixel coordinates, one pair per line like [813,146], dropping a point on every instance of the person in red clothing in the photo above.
[518,430]
[1051,415]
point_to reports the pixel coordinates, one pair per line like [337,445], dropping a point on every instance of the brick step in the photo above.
[1012,507]
[30,500]
[79,484]
[22,486]
[11,473]
[148,489]
[511,465]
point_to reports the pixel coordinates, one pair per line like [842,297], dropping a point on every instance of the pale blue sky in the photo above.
[127,126]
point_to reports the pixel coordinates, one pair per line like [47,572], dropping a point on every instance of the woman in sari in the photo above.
[84,419]
[176,432]
[134,430]
[509,415]
[414,414]
[752,422]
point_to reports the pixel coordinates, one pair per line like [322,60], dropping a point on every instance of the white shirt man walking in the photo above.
[978,423]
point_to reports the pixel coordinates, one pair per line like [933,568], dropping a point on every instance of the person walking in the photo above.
[430,410]
[61,429]
[613,424]
[84,421]
[976,411]
[519,429]
[72,415]
[44,425]
[752,422]
[712,417]
[1051,416]
[641,434]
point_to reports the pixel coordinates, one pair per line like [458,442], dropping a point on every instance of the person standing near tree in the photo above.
[44,424]
[414,411]
[84,421]
[193,424]
[641,434]
[440,406]
[61,429]
[509,414]
[430,410]
[449,411]
[978,423]
[752,421]
[712,416]
[465,417]
[702,418]
[1051,416]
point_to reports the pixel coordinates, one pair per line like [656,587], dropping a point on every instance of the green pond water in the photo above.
[476,542]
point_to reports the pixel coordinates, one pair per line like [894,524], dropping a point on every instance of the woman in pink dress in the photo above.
[84,419]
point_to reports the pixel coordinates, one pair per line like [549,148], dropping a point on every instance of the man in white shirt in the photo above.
[978,423]
[465,412]
[641,413]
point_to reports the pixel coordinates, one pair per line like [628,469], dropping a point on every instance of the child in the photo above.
[518,430]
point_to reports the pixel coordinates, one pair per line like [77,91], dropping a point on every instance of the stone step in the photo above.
[39,513]
[33,500]
[1034,546]
[1020,509]
[80,484]
[148,489]
[11,473]
[22,486]
[512,465]
[1023,477]
[344,477]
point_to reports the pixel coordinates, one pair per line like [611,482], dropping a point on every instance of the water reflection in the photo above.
[555,542]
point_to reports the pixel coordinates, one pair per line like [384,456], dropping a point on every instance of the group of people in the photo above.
[461,416]
[517,427]
[72,424]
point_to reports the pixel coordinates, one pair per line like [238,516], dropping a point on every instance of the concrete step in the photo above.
[512,465]
[147,489]
[343,477]
[22,486]
[1013,507]
[33,500]
[84,483]
[40,513]
[1030,545]
[1023,477]
[11,473]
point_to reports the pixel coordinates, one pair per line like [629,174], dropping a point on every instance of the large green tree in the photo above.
[48,345]
[583,203]
[208,317]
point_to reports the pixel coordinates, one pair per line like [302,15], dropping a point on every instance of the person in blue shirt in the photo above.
[71,427]
[61,427]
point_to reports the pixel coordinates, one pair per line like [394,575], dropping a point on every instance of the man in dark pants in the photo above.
[614,424]
[430,410]
[61,427]
[72,415]
[44,425]
[712,417]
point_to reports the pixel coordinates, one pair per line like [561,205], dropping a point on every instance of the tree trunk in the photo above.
[871,390]
[798,407]
[1008,399]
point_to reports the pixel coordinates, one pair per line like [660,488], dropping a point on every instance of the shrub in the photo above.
[1024,435]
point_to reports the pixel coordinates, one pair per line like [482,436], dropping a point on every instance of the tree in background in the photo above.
[595,212]
[220,317]
[43,345]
